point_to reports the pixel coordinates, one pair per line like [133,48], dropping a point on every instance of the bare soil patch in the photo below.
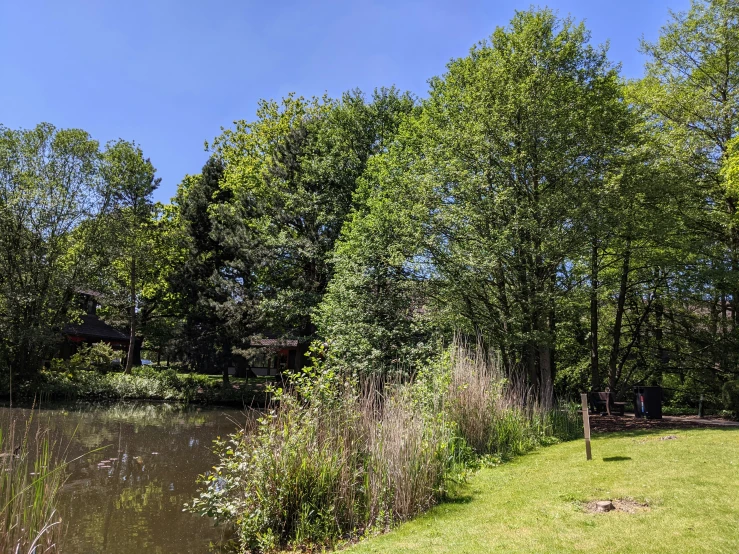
[627,505]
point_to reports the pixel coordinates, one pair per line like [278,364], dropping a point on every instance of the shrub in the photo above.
[94,357]
[143,383]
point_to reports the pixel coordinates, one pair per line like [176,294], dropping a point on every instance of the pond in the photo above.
[127,498]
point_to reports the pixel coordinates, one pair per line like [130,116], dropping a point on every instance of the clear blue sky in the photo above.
[170,73]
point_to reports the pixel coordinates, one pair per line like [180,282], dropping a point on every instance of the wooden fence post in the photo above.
[586,424]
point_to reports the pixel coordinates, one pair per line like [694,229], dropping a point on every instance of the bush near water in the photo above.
[339,457]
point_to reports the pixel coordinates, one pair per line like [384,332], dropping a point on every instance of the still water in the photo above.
[127,498]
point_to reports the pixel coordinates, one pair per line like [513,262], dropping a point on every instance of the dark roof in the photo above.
[276,343]
[91,326]
[88,292]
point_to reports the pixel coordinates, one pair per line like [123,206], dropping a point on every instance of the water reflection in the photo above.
[127,498]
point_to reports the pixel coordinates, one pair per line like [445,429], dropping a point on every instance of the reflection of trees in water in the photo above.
[129,496]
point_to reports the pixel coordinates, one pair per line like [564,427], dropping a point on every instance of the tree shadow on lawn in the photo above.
[617,459]
[601,425]
[459,499]
[658,433]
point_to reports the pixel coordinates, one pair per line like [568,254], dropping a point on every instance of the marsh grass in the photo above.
[499,414]
[30,481]
[338,458]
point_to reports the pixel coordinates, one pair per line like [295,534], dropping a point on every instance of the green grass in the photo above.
[535,503]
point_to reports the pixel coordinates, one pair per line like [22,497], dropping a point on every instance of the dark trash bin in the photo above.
[648,402]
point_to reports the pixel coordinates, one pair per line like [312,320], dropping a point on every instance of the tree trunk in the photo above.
[547,350]
[546,388]
[132,322]
[594,362]
[659,311]
[503,300]
[224,367]
[137,350]
[618,324]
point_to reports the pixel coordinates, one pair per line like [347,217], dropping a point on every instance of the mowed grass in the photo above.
[535,503]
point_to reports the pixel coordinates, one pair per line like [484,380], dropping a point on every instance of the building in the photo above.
[274,355]
[91,329]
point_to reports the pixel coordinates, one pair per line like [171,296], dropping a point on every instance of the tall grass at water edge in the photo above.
[30,482]
[338,458]
[498,415]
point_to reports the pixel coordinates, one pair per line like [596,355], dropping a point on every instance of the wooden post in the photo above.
[586,424]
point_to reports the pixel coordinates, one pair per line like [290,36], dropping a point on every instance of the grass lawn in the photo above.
[535,503]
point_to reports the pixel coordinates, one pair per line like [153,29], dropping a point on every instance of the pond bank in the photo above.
[144,384]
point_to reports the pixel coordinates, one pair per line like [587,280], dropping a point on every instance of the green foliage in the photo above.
[131,181]
[49,184]
[688,102]
[207,340]
[293,173]
[95,357]
[472,212]
[63,382]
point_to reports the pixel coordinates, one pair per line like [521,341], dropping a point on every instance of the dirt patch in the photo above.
[626,505]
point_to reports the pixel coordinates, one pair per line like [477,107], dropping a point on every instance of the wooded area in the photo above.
[582,226]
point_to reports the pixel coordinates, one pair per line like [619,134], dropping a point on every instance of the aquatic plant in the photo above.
[31,476]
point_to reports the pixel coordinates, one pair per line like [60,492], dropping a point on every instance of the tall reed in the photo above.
[497,413]
[340,457]
[30,482]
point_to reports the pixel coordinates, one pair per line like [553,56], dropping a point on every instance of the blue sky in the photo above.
[170,73]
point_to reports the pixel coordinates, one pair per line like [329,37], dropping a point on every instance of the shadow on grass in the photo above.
[617,459]
[657,432]
[458,499]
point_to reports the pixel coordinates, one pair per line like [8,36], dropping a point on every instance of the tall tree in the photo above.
[498,173]
[49,186]
[207,340]
[691,96]
[131,179]
[293,173]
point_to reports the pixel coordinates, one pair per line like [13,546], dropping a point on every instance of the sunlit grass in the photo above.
[535,503]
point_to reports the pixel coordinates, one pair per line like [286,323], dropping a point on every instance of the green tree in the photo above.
[206,337]
[49,186]
[690,97]
[498,173]
[131,179]
[293,173]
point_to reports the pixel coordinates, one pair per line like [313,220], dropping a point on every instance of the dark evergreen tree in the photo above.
[205,340]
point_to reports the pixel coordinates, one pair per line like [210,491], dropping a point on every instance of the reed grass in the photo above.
[339,458]
[500,414]
[30,482]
